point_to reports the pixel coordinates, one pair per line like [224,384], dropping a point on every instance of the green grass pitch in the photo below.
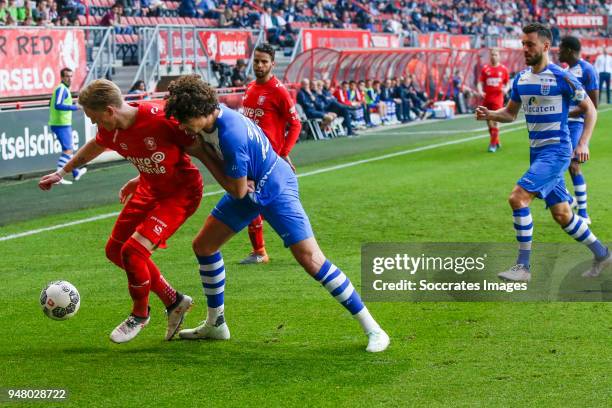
[292,344]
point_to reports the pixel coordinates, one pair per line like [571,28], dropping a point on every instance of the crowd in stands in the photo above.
[363,104]
[282,18]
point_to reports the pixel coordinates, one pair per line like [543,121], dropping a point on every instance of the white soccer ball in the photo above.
[60,300]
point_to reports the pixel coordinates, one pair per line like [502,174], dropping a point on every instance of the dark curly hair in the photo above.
[190,97]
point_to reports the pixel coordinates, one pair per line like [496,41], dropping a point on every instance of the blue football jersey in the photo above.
[586,74]
[546,98]
[246,151]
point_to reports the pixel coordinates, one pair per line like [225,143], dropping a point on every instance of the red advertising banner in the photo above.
[593,46]
[178,44]
[460,42]
[335,39]
[227,46]
[581,21]
[444,40]
[380,40]
[32,60]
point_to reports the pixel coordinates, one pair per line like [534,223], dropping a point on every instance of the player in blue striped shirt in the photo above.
[569,52]
[545,92]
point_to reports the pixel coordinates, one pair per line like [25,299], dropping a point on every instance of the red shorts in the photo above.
[154,218]
[494,103]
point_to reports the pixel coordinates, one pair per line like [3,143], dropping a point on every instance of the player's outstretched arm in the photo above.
[590,118]
[506,114]
[84,155]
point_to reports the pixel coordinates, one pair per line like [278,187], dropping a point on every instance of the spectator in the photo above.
[242,19]
[393,104]
[53,12]
[209,9]
[3,11]
[372,94]
[226,18]
[72,7]
[603,65]
[41,12]
[138,91]
[239,77]
[330,104]
[114,18]
[188,8]
[12,10]
[313,108]
[9,20]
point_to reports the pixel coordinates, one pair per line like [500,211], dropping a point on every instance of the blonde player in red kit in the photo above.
[167,191]
[268,103]
[493,84]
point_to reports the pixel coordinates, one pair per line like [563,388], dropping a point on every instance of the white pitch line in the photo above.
[310,173]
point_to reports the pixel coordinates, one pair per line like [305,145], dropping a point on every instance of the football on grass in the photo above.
[60,300]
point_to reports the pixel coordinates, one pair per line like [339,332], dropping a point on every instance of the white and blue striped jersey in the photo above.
[246,151]
[546,98]
[586,74]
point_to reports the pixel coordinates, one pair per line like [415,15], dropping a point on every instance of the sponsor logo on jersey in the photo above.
[150,143]
[261,100]
[545,85]
[123,146]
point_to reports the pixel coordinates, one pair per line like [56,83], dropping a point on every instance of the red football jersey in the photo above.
[494,79]
[154,145]
[271,107]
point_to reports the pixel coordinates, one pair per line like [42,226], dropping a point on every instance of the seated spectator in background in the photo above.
[138,91]
[114,19]
[209,9]
[358,101]
[394,104]
[53,12]
[64,22]
[3,11]
[239,77]
[328,101]
[313,108]
[41,12]
[459,92]
[242,19]
[9,21]
[72,7]
[415,103]
[25,12]
[188,8]
[11,10]
[226,17]
[150,8]
[372,96]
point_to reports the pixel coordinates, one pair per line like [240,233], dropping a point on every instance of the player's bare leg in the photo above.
[206,246]
[259,254]
[309,255]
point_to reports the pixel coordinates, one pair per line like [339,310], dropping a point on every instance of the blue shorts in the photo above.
[545,176]
[64,135]
[285,214]
[575,130]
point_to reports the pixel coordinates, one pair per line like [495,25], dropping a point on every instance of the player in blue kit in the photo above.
[257,181]
[569,52]
[546,92]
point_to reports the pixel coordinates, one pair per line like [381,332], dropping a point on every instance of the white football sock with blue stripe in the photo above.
[579,230]
[212,273]
[580,190]
[341,288]
[523,224]
[63,159]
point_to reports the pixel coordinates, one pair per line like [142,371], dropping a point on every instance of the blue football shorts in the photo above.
[285,214]
[545,176]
